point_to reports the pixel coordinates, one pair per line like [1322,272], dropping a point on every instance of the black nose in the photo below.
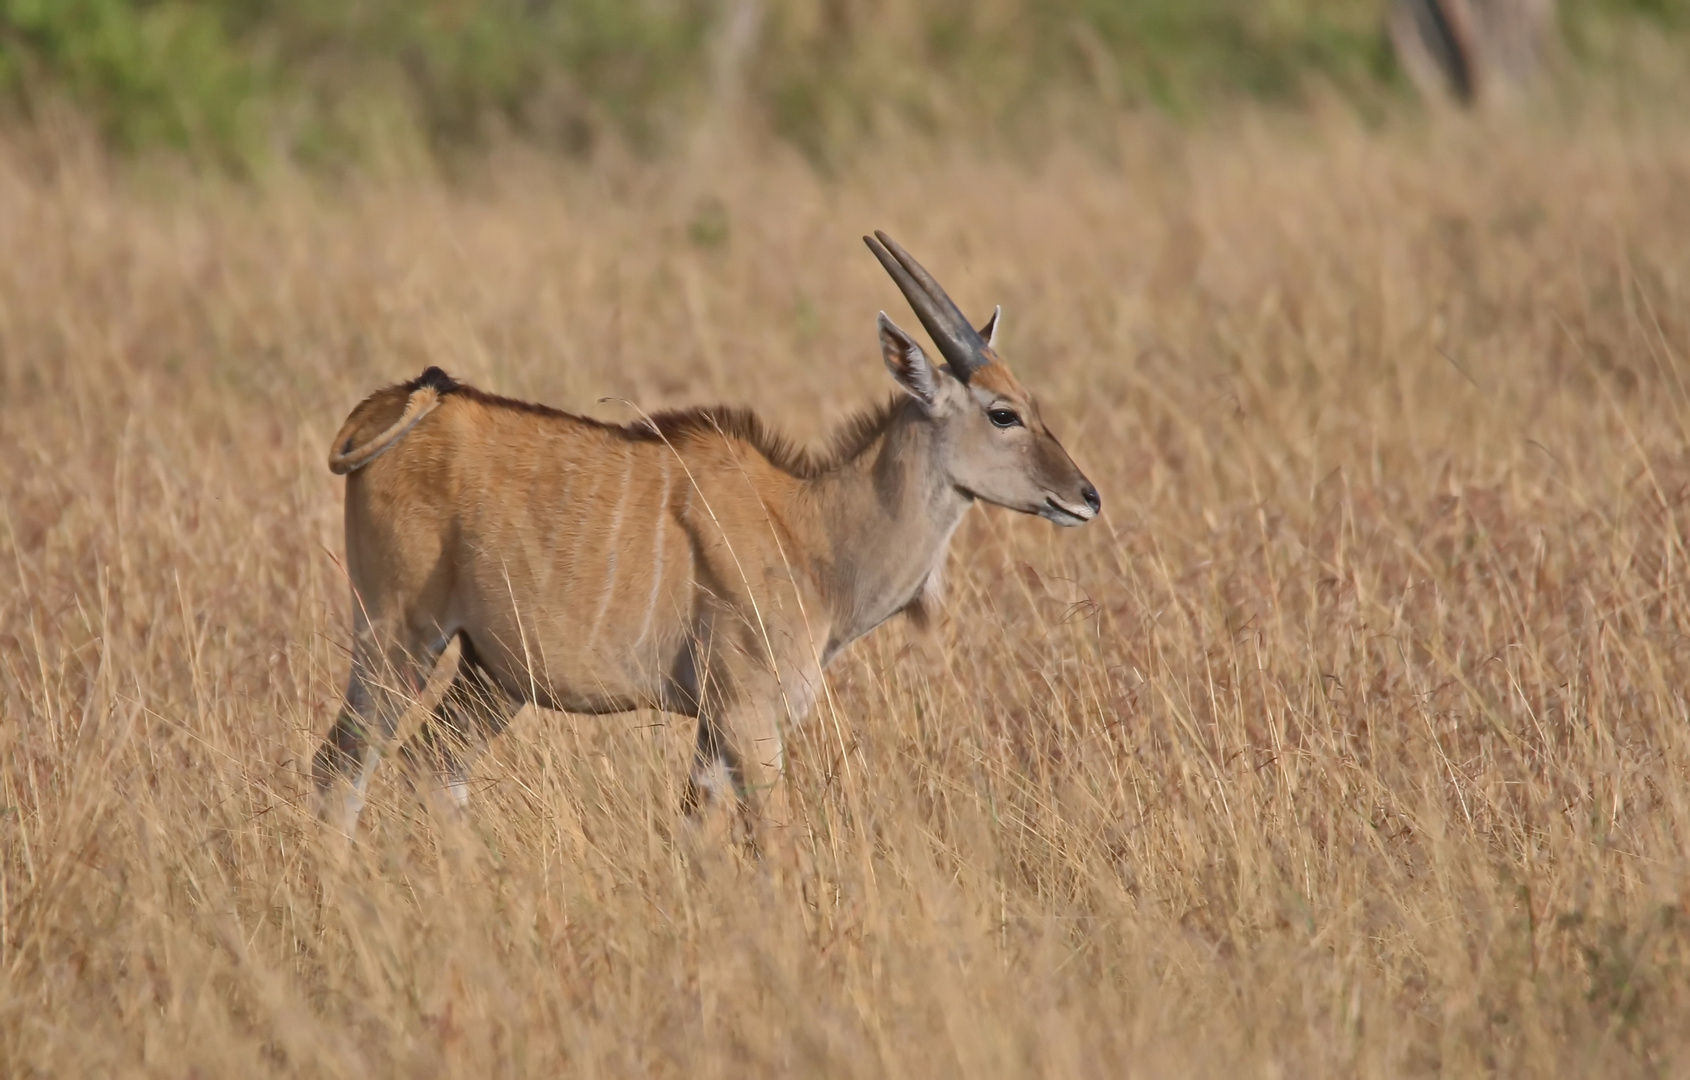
[1092,498]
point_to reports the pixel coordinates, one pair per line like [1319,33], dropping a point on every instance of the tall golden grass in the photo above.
[1351,742]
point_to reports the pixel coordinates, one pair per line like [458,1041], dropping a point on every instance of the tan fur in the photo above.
[691,562]
[361,439]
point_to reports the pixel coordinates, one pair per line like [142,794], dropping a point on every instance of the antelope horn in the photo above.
[957,339]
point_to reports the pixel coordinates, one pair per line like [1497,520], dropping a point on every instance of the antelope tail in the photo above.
[347,455]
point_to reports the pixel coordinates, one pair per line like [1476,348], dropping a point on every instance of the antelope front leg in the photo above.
[737,769]
[741,750]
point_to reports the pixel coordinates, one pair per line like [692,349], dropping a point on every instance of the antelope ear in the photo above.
[907,363]
[990,330]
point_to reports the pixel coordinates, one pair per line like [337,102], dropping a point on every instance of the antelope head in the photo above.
[992,443]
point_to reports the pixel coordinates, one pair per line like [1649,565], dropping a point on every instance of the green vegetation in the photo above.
[940,59]
[319,80]
[239,78]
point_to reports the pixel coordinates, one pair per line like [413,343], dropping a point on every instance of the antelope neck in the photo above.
[890,513]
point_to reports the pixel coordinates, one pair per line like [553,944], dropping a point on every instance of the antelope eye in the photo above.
[1004,418]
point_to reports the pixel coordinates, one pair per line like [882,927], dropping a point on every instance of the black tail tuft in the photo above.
[434,378]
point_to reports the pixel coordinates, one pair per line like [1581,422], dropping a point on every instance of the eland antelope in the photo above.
[692,561]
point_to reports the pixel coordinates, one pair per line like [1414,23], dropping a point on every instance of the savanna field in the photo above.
[1353,740]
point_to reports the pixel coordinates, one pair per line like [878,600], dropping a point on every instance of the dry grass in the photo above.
[1353,741]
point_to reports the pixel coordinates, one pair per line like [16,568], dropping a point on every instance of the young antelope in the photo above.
[691,561]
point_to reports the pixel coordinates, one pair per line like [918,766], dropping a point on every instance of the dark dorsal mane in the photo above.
[847,443]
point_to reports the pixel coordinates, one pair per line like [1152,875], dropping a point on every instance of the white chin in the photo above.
[1062,517]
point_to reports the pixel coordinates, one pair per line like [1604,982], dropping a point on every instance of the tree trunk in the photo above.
[1476,52]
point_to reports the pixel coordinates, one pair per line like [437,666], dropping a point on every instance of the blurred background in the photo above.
[339,83]
[1349,742]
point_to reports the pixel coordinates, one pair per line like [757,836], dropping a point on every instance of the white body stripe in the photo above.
[610,549]
[660,527]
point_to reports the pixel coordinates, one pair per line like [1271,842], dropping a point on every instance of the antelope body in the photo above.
[691,562]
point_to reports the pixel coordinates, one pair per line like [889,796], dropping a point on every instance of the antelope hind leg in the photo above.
[473,711]
[381,687]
